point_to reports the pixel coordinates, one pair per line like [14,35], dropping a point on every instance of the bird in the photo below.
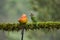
[33,18]
[23,20]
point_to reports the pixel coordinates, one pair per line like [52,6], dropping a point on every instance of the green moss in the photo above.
[38,25]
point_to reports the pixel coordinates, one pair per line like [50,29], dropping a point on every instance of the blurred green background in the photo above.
[44,10]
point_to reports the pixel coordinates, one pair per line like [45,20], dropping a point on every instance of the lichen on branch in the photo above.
[38,25]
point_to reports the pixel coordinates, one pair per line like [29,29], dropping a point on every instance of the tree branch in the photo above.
[38,25]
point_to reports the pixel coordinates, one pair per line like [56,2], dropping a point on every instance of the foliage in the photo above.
[48,9]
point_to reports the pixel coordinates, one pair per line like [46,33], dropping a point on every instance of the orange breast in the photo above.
[23,20]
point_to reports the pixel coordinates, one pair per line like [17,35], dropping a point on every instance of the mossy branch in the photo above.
[38,25]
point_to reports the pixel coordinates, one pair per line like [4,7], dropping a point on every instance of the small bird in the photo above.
[33,18]
[23,19]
